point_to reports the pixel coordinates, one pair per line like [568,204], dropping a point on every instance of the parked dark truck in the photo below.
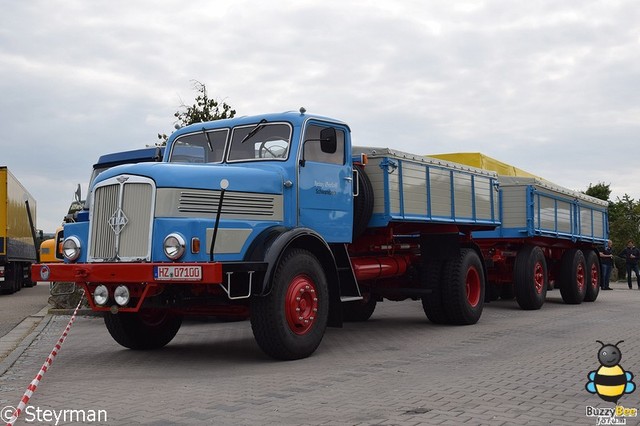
[279,218]
[17,239]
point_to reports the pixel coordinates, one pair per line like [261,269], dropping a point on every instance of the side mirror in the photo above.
[328,140]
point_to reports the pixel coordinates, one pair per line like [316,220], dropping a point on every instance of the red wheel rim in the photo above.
[538,277]
[473,287]
[580,282]
[301,304]
[594,276]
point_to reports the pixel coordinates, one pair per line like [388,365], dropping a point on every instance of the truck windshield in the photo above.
[198,148]
[268,142]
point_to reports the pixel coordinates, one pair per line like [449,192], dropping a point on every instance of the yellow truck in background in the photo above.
[17,232]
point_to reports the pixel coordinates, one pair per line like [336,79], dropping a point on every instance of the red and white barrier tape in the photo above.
[36,381]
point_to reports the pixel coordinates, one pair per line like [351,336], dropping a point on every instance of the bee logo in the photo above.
[610,381]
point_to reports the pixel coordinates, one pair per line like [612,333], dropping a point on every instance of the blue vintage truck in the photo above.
[279,218]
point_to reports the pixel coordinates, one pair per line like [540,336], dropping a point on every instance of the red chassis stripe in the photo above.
[119,272]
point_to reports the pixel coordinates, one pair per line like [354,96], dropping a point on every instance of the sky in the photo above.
[549,86]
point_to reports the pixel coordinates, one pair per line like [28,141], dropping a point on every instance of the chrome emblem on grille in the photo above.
[117,221]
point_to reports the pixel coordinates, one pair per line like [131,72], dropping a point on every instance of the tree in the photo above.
[600,191]
[624,225]
[204,109]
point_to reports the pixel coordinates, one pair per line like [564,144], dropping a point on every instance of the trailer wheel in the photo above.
[147,329]
[290,321]
[530,278]
[593,276]
[463,292]
[13,278]
[507,292]
[26,277]
[359,311]
[573,285]
[362,204]
[432,303]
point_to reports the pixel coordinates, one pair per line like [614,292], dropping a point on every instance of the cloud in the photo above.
[546,86]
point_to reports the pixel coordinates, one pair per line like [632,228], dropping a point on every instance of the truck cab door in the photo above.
[325,182]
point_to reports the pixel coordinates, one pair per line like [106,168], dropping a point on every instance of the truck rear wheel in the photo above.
[290,321]
[573,286]
[360,310]
[593,276]
[432,303]
[530,278]
[463,292]
[147,329]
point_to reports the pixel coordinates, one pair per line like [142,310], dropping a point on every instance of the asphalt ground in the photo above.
[17,306]
[512,368]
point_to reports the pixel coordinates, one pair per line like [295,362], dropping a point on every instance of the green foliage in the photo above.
[624,220]
[600,191]
[624,225]
[204,109]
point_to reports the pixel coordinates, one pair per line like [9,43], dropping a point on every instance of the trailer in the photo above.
[278,217]
[549,238]
[17,233]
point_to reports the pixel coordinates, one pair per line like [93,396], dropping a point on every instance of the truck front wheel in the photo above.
[573,286]
[147,329]
[530,278]
[290,321]
[593,276]
[360,310]
[463,292]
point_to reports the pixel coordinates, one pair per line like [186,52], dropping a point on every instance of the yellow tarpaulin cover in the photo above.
[481,161]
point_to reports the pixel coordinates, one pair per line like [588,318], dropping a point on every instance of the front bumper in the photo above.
[82,273]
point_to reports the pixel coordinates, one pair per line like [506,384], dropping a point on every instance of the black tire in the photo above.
[362,204]
[147,329]
[359,311]
[573,286]
[530,278]
[432,279]
[507,292]
[593,276]
[463,292]
[12,279]
[26,277]
[298,282]
[493,291]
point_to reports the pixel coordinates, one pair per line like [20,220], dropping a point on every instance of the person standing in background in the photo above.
[606,260]
[631,255]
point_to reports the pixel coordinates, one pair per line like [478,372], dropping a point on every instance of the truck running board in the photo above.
[349,289]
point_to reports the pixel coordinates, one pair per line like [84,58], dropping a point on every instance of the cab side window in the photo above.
[313,148]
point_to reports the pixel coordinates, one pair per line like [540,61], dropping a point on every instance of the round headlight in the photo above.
[101,295]
[173,246]
[71,248]
[121,295]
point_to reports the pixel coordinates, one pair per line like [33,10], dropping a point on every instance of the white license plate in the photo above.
[177,273]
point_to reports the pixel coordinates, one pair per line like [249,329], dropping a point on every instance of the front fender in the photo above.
[272,243]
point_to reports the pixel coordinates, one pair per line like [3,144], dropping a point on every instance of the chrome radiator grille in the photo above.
[122,213]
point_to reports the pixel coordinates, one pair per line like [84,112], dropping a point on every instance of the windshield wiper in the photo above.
[255,130]
[206,135]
